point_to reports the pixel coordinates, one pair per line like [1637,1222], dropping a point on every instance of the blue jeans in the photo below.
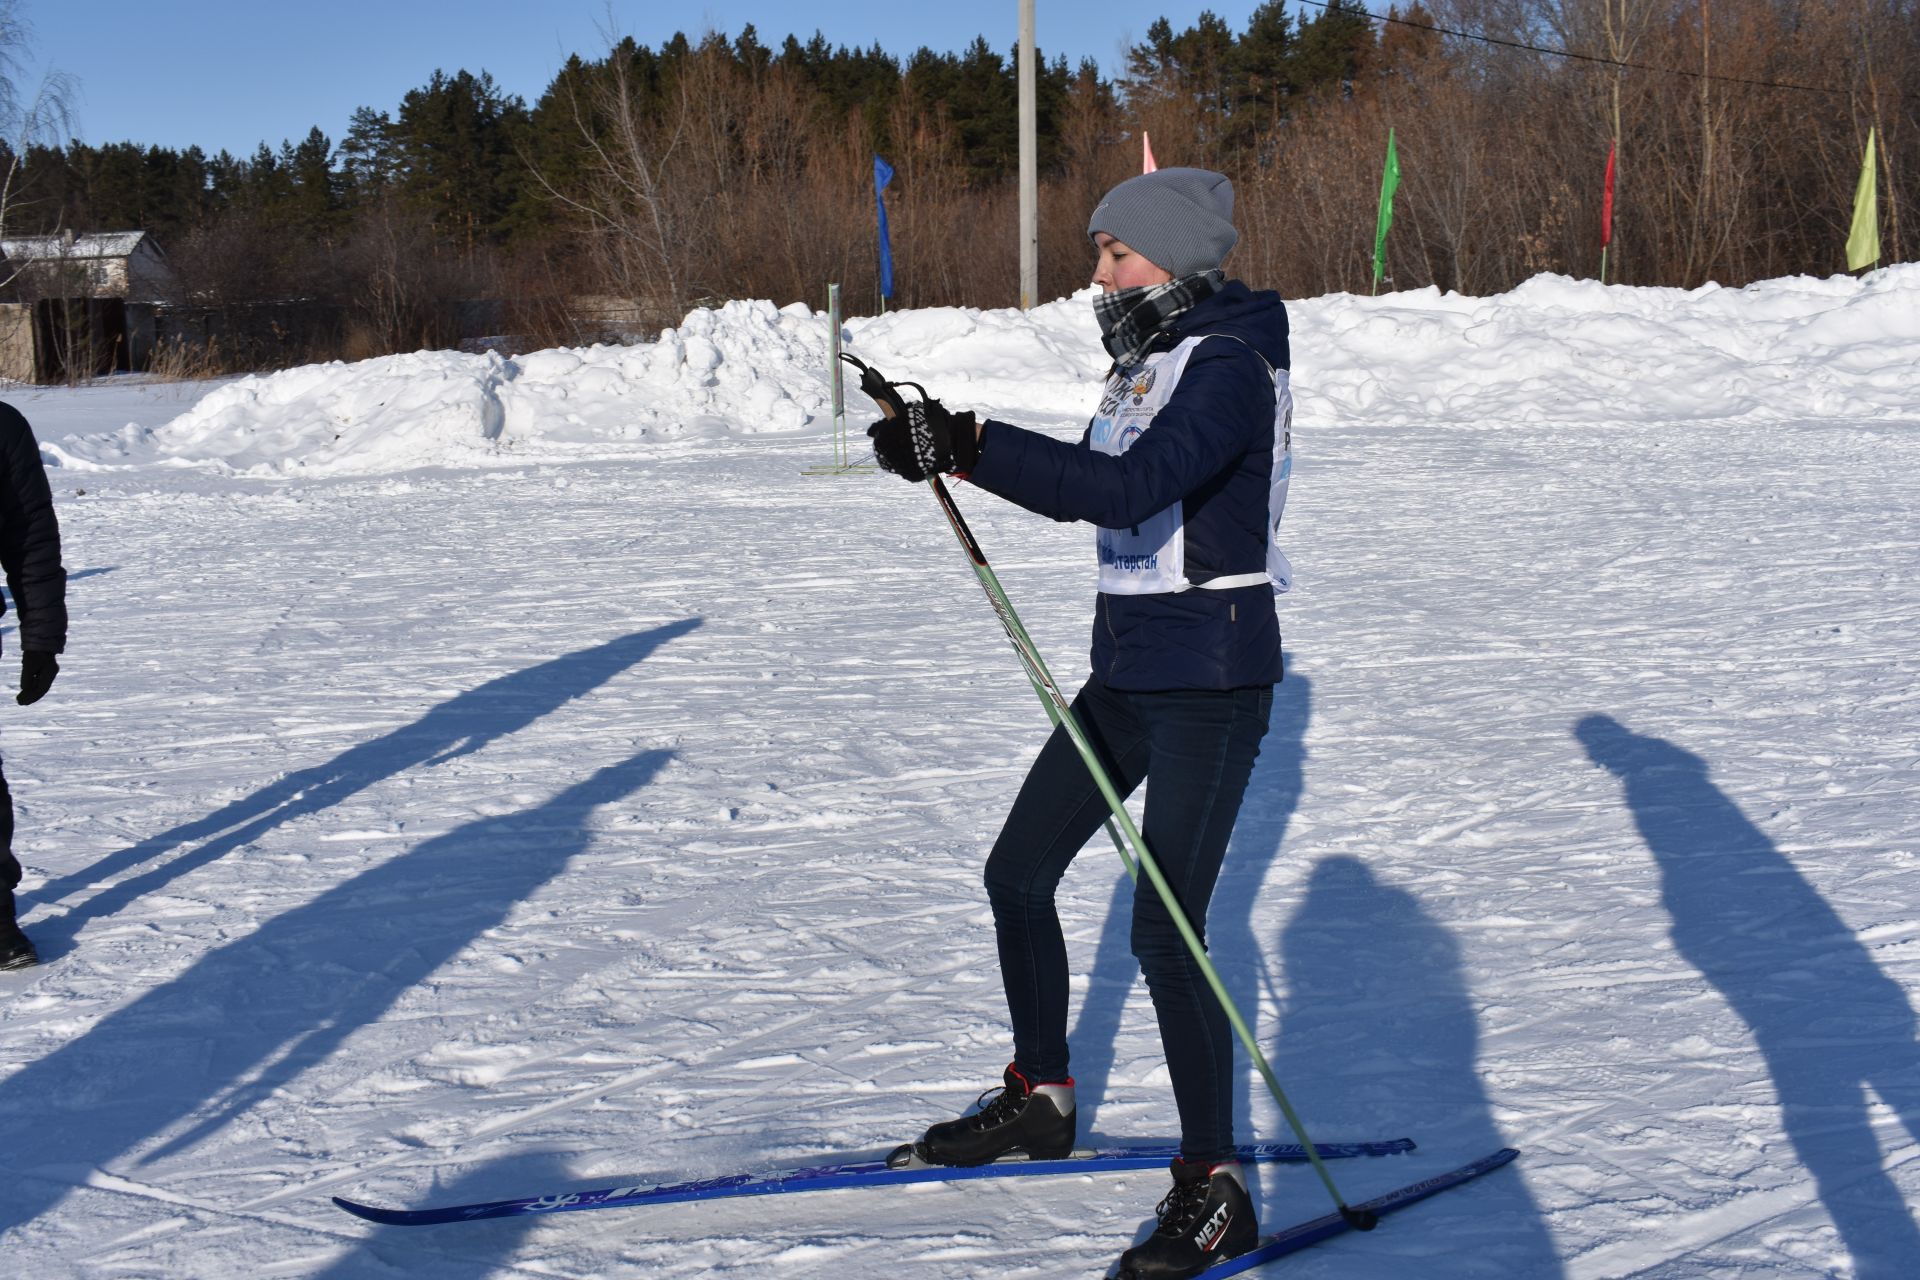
[1195,749]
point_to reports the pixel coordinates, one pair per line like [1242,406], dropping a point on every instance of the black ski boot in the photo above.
[1037,1119]
[1206,1218]
[15,951]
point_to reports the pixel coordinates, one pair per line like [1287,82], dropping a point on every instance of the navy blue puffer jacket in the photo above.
[1211,449]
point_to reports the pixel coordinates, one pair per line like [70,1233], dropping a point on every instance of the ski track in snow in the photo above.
[464,832]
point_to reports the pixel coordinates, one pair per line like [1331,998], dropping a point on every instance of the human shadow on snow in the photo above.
[245,1020]
[248,1019]
[1378,1038]
[462,725]
[1829,1023]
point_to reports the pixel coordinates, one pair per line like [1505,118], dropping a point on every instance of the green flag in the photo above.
[1863,242]
[1389,182]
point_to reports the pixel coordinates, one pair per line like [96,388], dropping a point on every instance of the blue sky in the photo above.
[232,73]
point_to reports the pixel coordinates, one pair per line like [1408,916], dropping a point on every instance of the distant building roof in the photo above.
[113,264]
[104,244]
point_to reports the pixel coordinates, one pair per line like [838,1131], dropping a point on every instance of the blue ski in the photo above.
[862,1173]
[1299,1237]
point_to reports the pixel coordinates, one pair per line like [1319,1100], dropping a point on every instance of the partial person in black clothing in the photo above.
[30,554]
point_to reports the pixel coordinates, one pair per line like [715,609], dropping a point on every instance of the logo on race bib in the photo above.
[1127,563]
[1141,384]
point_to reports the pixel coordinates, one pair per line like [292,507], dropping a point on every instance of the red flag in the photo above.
[1146,152]
[1606,202]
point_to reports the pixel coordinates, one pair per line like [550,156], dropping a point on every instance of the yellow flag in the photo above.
[1863,242]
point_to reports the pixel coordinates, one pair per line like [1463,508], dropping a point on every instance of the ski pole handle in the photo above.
[882,392]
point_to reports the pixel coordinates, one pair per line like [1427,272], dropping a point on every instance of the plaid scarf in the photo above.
[1131,318]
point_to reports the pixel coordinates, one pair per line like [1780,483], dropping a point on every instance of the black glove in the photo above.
[37,670]
[926,442]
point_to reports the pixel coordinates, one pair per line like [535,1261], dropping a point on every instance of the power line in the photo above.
[1356,11]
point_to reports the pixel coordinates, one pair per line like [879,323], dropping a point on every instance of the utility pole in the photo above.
[1029,166]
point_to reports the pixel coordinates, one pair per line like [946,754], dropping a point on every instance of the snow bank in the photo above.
[1565,350]
[744,368]
[1555,349]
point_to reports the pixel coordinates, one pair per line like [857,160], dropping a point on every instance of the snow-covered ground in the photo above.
[470,777]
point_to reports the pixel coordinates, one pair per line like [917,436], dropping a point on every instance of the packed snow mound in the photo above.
[1554,349]
[1047,361]
[1564,350]
[744,368]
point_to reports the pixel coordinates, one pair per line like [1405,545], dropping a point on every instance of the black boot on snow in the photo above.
[1037,1119]
[1206,1218]
[16,952]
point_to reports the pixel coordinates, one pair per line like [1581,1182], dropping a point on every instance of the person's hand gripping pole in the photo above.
[918,439]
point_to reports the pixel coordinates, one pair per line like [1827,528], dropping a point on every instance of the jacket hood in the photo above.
[1257,319]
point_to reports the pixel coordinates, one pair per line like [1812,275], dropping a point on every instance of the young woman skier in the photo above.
[1183,469]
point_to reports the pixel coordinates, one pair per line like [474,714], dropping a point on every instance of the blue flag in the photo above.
[882,175]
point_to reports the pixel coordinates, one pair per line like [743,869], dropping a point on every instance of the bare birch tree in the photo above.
[40,117]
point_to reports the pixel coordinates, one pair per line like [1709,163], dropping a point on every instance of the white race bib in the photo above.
[1150,558]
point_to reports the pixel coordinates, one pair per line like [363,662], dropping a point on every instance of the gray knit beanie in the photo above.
[1180,219]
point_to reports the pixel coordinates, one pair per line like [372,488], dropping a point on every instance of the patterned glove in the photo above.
[928,441]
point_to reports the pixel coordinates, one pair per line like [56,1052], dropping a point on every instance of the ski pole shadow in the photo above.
[1272,796]
[463,1250]
[247,1020]
[1378,1038]
[1830,1025]
[461,725]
